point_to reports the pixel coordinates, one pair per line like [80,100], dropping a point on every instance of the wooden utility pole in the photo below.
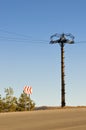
[62,41]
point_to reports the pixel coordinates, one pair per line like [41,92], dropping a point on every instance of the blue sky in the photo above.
[27,58]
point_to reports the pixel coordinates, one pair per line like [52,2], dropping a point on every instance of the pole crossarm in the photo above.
[62,38]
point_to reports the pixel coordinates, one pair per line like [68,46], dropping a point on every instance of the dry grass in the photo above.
[54,108]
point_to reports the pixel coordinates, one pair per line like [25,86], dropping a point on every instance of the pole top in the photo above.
[62,38]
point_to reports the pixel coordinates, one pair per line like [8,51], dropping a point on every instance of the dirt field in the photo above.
[59,119]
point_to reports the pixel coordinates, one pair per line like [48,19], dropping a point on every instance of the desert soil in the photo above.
[59,119]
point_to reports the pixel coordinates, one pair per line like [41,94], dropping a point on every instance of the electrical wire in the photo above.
[23,38]
[81,42]
[14,33]
[16,37]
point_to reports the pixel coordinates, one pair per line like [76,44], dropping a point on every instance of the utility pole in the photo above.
[62,41]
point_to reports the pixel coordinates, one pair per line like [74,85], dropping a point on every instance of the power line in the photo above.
[26,40]
[81,42]
[17,37]
[14,39]
[23,38]
[14,33]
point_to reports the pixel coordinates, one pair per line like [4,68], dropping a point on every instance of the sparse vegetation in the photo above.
[10,103]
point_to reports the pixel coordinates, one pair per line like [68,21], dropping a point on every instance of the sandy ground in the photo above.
[60,119]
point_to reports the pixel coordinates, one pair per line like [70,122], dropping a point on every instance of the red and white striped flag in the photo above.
[28,89]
